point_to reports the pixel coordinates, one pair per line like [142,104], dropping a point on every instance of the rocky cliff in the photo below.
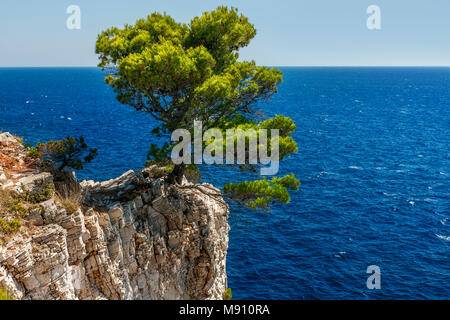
[134,237]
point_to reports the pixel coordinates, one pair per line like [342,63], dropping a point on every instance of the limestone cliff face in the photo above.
[135,237]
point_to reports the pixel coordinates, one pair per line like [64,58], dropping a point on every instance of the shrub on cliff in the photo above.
[9,226]
[227,294]
[69,152]
[182,73]
[14,208]
[57,156]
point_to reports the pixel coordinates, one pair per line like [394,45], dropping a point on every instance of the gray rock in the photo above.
[157,222]
[116,211]
[35,216]
[121,245]
[8,138]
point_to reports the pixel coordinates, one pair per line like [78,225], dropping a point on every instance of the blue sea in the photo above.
[374,162]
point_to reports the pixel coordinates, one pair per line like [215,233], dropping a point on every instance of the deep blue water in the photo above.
[374,161]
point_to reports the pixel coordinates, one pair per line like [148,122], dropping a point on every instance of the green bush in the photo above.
[4,295]
[69,152]
[227,294]
[161,172]
[182,73]
[10,226]
[262,193]
[43,194]
[33,152]
[16,207]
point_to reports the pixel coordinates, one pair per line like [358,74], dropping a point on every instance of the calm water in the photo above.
[374,162]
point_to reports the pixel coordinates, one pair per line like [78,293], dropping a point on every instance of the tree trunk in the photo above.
[176,176]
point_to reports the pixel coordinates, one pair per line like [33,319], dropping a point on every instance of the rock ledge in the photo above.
[134,238]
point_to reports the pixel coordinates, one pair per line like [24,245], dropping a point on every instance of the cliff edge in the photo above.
[133,237]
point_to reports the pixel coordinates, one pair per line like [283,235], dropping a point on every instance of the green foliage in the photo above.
[160,158]
[44,193]
[158,155]
[13,208]
[285,125]
[261,193]
[222,32]
[227,294]
[4,295]
[159,172]
[16,207]
[288,181]
[180,73]
[12,203]
[10,226]
[115,44]
[192,173]
[69,152]
[33,152]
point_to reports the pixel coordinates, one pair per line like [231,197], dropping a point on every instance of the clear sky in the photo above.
[290,32]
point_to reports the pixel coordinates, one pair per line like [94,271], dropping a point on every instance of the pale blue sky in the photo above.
[290,32]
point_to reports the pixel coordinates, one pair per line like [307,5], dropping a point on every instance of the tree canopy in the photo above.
[180,73]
